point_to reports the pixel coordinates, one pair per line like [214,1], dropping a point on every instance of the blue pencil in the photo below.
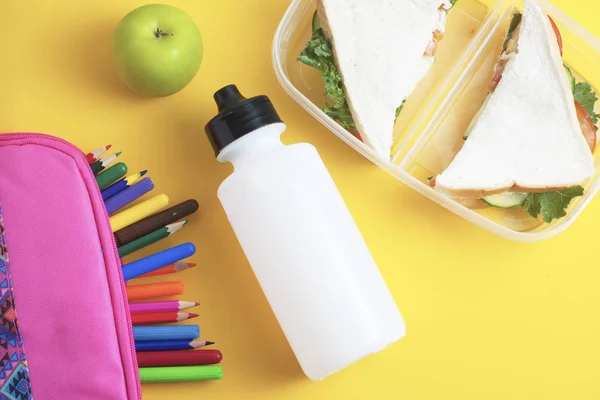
[120,200]
[165,332]
[121,185]
[157,260]
[166,345]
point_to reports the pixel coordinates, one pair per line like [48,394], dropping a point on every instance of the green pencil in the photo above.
[101,164]
[111,175]
[150,238]
[181,374]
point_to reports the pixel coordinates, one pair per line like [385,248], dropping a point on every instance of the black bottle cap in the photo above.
[238,116]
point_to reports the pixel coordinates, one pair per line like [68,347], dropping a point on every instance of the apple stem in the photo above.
[159,34]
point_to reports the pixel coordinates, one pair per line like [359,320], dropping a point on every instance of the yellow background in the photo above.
[486,318]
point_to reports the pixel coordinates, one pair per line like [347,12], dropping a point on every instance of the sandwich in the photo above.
[372,54]
[531,144]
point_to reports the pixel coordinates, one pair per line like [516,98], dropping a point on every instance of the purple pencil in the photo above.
[161,306]
[128,195]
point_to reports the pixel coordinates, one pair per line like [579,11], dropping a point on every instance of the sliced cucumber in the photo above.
[506,200]
[316,24]
[571,77]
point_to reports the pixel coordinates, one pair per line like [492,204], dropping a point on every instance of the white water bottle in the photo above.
[300,239]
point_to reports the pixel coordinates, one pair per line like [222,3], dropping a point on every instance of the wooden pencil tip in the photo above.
[209,343]
[191,265]
[196,304]
[191,315]
[119,153]
[108,146]
[144,172]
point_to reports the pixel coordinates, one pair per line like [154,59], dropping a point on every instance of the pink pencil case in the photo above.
[65,329]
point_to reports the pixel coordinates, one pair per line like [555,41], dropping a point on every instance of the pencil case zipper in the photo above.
[94,191]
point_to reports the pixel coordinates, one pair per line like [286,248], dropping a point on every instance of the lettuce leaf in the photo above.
[514,23]
[399,109]
[585,95]
[551,205]
[318,54]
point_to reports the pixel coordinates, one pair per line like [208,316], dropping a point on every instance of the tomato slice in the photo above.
[558,35]
[432,182]
[356,135]
[498,74]
[587,126]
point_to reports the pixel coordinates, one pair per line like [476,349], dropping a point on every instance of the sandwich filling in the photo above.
[550,204]
[374,67]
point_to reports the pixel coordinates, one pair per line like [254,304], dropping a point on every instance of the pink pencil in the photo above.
[161,306]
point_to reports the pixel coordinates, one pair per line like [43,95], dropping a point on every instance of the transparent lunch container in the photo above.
[429,131]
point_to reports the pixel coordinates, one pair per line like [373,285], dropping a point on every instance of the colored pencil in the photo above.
[152,290]
[121,185]
[167,345]
[159,332]
[150,224]
[178,358]
[151,238]
[138,212]
[128,195]
[95,155]
[157,260]
[169,269]
[102,163]
[161,306]
[160,317]
[111,175]
[181,374]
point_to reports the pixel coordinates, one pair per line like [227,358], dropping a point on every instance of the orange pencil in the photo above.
[169,269]
[151,290]
[160,317]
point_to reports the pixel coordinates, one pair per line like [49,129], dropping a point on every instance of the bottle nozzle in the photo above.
[228,97]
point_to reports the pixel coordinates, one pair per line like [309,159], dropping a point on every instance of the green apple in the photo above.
[157,50]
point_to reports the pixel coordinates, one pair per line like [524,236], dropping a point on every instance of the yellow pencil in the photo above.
[122,185]
[138,212]
[133,178]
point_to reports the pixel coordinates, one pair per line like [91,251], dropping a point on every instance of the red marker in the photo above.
[178,358]
[96,154]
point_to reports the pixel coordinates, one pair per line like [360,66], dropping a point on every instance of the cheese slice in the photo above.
[527,136]
[379,47]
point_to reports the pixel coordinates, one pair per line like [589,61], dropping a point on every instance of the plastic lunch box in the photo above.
[429,131]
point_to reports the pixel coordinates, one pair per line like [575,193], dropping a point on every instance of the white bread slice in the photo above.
[379,48]
[527,137]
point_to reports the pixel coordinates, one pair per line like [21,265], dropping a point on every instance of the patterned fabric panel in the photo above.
[14,374]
